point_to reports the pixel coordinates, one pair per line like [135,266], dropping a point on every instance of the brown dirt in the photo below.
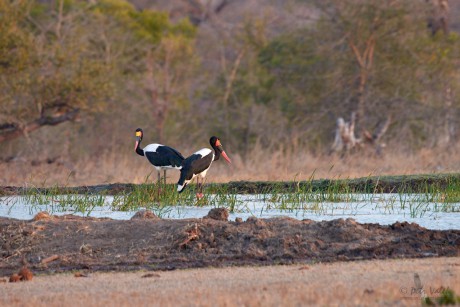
[57,244]
[357,283]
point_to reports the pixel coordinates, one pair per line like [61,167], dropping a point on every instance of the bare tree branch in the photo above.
[228,88]
[12,131]
[345,139]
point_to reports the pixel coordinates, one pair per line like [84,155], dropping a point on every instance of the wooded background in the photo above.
[286,78]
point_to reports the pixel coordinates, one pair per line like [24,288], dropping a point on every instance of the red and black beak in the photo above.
[222,152]
[226,157]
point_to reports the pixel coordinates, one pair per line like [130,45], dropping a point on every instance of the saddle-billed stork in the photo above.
[161,156]
[198,164]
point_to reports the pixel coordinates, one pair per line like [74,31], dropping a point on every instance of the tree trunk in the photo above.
[365,60]
[159,96]
[228,90]
[448,129]
[361,105]
[159,116]
[439,19]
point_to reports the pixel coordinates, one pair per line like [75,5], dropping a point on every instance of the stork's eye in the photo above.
[138,133]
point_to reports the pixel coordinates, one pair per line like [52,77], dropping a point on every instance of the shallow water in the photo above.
[383,209]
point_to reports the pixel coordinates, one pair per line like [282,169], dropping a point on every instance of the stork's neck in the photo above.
[139,151]
[216,153]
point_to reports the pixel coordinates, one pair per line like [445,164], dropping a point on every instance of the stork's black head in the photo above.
[214,141]
[218,148]
[139,135]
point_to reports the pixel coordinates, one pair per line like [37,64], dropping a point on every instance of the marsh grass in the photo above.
[416,195]
[54,201]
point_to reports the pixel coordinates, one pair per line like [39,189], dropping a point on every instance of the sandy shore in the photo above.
[376,282]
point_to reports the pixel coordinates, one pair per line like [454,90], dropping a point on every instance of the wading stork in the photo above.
[198,164]
[160,156]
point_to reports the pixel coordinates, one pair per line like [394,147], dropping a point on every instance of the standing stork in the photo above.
[161,156]
[198,164]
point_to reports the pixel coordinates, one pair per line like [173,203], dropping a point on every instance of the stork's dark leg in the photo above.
[199,188]
[158,183]
[165,178]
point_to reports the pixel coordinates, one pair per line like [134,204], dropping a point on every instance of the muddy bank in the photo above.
[56,244]
[376,184]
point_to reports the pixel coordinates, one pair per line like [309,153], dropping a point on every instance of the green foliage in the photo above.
[154,26]
[51,63]
[66,55]
[317,72]
[242,93]
[15,41]
[150,25]
[447,297]
[287,88]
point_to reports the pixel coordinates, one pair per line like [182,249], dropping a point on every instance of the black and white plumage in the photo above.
[199,163]
[160,156]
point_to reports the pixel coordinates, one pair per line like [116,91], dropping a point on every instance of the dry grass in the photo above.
[363,283]
[279,165]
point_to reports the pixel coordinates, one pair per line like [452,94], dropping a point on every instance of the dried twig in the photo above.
[192,234]
[50,259]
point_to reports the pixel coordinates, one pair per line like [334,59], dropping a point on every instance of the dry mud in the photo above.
[51,244]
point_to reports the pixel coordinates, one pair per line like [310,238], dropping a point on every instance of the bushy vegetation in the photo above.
[100,69]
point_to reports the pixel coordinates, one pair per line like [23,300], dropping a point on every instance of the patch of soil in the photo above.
[220,214]
[144,215]
[77,243]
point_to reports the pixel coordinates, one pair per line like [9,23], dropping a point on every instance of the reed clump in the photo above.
[416,195]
